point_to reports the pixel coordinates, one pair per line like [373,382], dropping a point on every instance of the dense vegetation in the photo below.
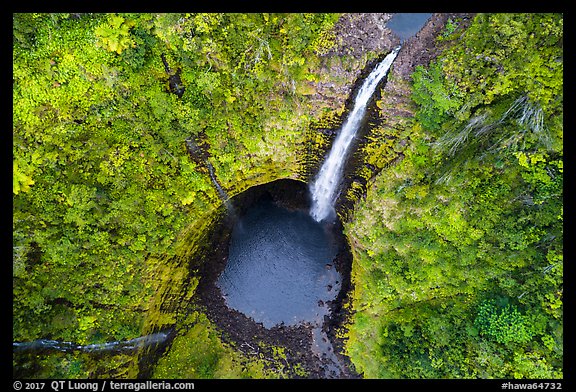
[103,183]
[457,248]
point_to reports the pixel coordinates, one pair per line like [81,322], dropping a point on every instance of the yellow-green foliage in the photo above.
[20,181]
[114,35]
[105,195]
[170,281]
[104,189]
[379,150]
[469,218]
[199,353]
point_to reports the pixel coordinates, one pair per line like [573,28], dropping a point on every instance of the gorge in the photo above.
[320,196]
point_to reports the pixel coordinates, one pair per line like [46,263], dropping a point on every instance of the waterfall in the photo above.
[221,192]
[223,195]
[324,188]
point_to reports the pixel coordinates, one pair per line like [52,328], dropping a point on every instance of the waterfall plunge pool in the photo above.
[274,276]
[280,266]
[272,262]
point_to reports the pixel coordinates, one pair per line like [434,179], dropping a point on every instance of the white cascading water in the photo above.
[323,190]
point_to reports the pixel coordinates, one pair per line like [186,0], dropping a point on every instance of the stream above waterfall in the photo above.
[405,25]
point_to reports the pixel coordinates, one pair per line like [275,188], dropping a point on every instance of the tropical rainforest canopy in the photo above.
[457,240]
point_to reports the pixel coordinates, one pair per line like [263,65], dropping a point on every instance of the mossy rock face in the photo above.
[381,142]
[306,89]
[198,352]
